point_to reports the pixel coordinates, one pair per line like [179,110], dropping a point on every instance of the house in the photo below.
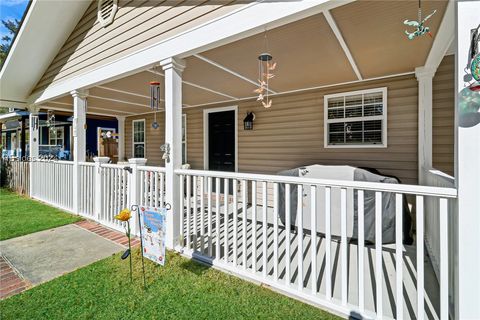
[55,134]
[349,90]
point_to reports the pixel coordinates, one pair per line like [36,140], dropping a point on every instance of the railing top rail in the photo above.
[151,168]
[363,185]
[113,166]
[441,176]
[87,164]
[54,161]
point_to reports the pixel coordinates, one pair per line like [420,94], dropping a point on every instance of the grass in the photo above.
[183,289]
[20,216]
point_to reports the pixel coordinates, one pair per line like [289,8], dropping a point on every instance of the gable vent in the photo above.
[106,11]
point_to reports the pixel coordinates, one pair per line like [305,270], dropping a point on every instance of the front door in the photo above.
[221,141]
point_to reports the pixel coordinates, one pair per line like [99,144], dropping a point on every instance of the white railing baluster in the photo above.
[155,190]
[254,226]
[226,220]
[313,236]
[399,253]
[288,258]
[443,258]
[264,229]
[188,200]
[182,208]
[378,253]
[361,250]
[235,221]
[420,254]
[202,215]
[195,216]
[244,224]
[343,244]
[300,235]
[162,190]
[142,186]
[217,217]
[328,244]
[275,231]
[209,213]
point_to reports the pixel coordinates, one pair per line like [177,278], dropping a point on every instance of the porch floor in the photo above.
[200,241]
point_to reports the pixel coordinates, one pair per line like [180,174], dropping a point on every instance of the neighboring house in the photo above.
[55,136]
[349,91]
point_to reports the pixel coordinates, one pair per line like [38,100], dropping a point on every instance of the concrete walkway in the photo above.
[45,255]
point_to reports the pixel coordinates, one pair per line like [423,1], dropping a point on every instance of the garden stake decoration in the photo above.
[135,208]
[419,25]
[265,72]
[124,216]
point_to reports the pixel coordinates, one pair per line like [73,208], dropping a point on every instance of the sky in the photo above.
[11,9]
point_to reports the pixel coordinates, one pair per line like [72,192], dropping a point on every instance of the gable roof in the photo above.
[35,46]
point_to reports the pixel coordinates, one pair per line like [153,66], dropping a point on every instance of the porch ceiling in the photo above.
[360,40]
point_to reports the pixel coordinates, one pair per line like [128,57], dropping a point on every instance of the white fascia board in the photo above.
[244,22]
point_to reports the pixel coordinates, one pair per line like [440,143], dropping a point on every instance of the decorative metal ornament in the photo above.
[266,66]
[155,101]
[475,67]
[51,121]
[420,28]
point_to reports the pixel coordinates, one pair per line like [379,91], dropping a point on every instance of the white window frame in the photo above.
[57,128]
[144,137]
[383,117]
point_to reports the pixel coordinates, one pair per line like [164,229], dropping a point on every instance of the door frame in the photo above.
[206,112]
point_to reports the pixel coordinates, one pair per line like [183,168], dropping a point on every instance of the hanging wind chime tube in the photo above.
[266,66]
[155,101]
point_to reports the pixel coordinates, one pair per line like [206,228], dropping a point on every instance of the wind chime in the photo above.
[420,28]
[51,122]
[155,101]
[266,66]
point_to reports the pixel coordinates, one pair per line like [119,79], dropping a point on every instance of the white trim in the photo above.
[206,112]
[443,39]
[144,137]
[383,117]
[343,44]
[124,92]
[98,136]
[184,117]
[238,24]
[90,108]
[120,101]
[236,74]
[197,86]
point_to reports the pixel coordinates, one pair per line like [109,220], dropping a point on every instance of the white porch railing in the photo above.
[53,183]
[152,186]
[226,223]
[87,189]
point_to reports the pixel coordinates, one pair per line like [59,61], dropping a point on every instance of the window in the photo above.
[56,137]
[356,119]
[139,138]
[184,138]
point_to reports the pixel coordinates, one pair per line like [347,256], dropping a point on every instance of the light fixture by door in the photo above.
[248,121]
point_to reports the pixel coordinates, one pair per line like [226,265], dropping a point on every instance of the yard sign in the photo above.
[153,234]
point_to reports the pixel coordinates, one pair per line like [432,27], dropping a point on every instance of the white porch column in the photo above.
[467,175]
[424,77]
[173,138]
[121,138]
[79,143]
[33,143]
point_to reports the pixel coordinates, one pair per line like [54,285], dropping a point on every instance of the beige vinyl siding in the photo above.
[444,116]
[290,134]
[137,25]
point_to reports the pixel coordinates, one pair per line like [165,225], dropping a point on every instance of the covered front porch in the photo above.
[226,210]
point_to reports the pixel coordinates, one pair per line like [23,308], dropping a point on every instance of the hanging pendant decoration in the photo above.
[266,66]
[51,121]
[155,101]
[420,28]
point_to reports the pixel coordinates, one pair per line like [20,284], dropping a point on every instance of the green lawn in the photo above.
[183,289]
[20,216]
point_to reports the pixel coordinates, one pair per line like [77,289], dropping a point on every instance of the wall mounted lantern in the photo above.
[248,121]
